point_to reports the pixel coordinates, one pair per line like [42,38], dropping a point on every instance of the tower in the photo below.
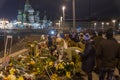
[37,18]
[19,17]
[29,12]
[27,6]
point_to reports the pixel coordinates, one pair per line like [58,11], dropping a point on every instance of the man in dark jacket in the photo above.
[97,41]
[88,58]
[118,65]
[107,52]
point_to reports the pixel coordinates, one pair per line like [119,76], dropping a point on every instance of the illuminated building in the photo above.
[31,18]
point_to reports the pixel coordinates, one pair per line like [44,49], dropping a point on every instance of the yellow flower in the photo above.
[60,66]
[68,74]
[63,63]
[72,63]
[50,63]
[20,78]
[54,77]
[32,62]
[11,77]
[38,68]
[11,64]
[12,70]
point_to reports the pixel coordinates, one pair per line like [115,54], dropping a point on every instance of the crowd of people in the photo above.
[99,53]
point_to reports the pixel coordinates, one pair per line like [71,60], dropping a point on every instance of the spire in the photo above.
[26,6]
[45,17]
[27,1]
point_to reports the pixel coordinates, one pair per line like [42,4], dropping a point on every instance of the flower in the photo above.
[71,63]
[51,63]
[11,77]
[32,62]
[59,66]
[21,78]
[12,71]
[68,74]
[54,77]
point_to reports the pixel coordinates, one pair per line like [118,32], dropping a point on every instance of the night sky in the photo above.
[84,8]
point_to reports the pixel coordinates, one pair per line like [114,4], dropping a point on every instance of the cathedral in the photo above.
[31,18]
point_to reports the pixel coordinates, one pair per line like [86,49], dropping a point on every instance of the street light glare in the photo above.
[95,24]
[113,21]
[107,23]
[103,23]
[61,19]
[63,7]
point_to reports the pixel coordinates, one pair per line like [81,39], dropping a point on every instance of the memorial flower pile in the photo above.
[39,62]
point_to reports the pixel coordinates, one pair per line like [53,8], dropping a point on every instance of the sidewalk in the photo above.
[96,76]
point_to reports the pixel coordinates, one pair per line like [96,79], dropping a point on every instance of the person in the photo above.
[51,44]
[88,58]
[49,41]
[87,37]
[81,38]
[107,52]
[74,37]
[97,41]
[118,64]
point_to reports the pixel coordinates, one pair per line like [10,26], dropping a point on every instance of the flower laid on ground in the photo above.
[28,66]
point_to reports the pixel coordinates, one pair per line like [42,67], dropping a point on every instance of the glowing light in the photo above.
[108,23]
[95,24]
[63,8]
[61,19]
[113,21]
[52,32]
[103,23]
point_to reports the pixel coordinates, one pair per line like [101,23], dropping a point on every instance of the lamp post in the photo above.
[63,8]
[95,24]
[107,23]
[59,24]
[63,18]
[4,23]
[74,14]
[113,21]
[61,21]
[102,25]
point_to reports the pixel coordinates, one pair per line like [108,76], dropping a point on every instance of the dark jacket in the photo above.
[107,52]
[88,57]
[118,65]
[50,42]
[97,40]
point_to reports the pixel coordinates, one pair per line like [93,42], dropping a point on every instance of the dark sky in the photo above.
[84,8]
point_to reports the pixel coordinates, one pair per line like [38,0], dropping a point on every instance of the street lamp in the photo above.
[95,24]
[114,21]
[73,13]
[61,22]
[63,18]
[107,23]
[103,25]
[63,8]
